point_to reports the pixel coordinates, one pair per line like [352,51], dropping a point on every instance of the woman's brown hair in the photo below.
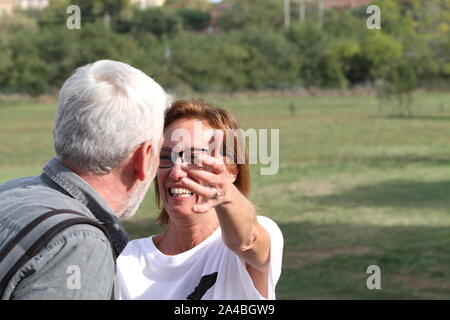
[216,118]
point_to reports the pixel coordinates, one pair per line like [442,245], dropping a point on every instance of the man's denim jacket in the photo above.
[82,249]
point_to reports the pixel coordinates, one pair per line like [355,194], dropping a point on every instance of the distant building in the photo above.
[344,4]
[336,4]
[148,3]
[6,6]
[31,4]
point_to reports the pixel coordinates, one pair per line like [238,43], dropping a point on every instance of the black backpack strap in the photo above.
[34,237]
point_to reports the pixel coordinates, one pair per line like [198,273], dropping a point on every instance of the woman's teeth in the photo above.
[180,192]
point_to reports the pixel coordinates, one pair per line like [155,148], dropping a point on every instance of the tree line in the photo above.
[247,48]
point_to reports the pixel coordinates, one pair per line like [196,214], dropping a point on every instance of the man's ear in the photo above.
[142,158]
[233,172]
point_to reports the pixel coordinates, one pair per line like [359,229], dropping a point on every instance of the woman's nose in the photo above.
[176,172]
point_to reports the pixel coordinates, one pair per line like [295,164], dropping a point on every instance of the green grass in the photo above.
[355,187]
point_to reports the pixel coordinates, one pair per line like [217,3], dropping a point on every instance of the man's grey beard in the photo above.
[136,198]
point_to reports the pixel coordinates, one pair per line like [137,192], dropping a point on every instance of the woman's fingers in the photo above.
[205,176]
[206,192]
[212,172]
[207,163]
[212,163]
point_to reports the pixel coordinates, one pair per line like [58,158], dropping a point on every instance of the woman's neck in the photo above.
[183,234]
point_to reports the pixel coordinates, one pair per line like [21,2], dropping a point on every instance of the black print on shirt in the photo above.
[205,283]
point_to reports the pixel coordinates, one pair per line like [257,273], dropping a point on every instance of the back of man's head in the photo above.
[105,110]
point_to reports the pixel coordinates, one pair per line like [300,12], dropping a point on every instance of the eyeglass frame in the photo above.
[179,155]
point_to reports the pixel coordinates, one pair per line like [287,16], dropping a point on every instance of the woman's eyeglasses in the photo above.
[168,157]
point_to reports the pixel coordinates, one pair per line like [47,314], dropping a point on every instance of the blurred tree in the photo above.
[201,5]
[432,27]
[89,8]
[27,73]
[393,77]
[162,22]
[246,59]
[381,53]
[194,19]
[343,51]
[272,61]
[59,56]
[253,51]
[97,43]
[6,62]
[321,66]
[17,23]
[55,13]
[206,63]
[244,13]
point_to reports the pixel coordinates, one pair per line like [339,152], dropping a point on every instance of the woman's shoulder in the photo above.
[272,228]
[267,223]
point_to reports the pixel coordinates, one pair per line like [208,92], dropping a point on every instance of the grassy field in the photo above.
[356,187]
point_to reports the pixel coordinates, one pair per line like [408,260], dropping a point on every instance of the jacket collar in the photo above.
[65,180]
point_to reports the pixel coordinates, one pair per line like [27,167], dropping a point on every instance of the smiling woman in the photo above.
[214,245]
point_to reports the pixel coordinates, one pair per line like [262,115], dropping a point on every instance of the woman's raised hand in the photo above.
[214,180]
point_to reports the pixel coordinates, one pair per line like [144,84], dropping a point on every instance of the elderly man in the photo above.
[59,231]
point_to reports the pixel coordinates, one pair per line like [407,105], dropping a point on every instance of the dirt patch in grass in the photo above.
[420,283]
[297,258]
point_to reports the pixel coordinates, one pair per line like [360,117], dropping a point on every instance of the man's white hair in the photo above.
[105,110]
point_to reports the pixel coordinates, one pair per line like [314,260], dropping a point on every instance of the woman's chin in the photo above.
[181,206]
